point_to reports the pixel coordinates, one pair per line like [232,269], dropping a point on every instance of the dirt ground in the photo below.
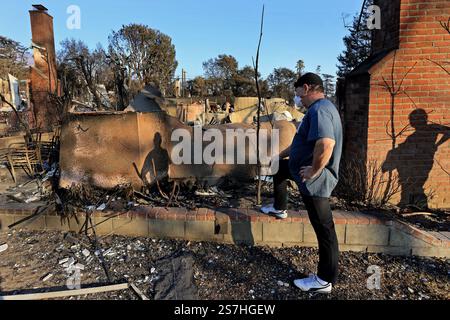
[169,269]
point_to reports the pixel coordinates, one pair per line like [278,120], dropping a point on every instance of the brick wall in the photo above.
[355,116]
[421,155]
[10,125]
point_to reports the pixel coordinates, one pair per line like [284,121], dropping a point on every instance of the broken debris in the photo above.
[3,247]
[47,277]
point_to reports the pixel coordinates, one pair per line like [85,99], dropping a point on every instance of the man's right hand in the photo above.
[285,153]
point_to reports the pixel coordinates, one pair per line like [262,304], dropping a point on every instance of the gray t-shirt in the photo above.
[321,121]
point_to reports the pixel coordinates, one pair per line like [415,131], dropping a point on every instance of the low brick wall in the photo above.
[355,231]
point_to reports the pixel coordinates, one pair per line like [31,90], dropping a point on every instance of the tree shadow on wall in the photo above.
[414,158]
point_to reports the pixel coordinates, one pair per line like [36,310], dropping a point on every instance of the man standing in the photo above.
[314,165]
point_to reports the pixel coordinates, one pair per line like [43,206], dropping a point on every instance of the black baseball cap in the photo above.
[309,78]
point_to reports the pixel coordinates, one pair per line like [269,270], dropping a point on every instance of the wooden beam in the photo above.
[138,292]
[66,293]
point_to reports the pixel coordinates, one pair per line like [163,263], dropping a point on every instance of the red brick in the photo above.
[177,213]
[297,216]
[425,236]
[264,218]
[273,219]
[376,220]
[253,215]
[152,212]
[231,212]
[442,238]
[200,217]
[403,226]
[162,213]
[210,215]
[241,215]
[191,215]
[356,218]
[170,215]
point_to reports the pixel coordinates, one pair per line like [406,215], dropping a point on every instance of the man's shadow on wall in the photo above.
[414,158]
[156,163]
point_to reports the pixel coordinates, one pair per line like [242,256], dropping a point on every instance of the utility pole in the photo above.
[183,83]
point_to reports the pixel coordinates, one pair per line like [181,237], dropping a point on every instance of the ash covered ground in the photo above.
[171,269]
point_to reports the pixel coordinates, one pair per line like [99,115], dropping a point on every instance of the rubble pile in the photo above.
[38,188]
[82,198]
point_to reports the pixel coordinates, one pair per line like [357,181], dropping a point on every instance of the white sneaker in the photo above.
[269,209]
[313,284]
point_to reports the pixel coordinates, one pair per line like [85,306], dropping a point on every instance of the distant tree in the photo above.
[319,70]
[221,73]
[71,81]
[281,83]
[121,76]
[147,55]
[214,86]
[197,87]
[105,73]
[245,82]
[83,65]
[224,66]
[328,85]
[265,89]
[300,68]
[13,59]
[357,43]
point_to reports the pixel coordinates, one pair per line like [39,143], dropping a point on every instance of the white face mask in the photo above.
[297,101]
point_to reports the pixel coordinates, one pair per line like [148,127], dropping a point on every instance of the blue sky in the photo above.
[202,29]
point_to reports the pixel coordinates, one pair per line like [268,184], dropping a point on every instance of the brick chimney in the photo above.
[43,73]
[387,38]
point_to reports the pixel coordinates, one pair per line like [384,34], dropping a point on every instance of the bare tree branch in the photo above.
[440,165]
[393,69]
[440,66]
[405,128]
[404,76]
[256,65]
[387,130]
[446,25]
[386,85]
[361,14]
[413,102]
[393,93]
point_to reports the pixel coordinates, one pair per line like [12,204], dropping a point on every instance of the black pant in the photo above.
[320,215]
[280,185]
[321,218]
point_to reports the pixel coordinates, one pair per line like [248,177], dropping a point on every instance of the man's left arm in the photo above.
[323,150]
[445,131]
